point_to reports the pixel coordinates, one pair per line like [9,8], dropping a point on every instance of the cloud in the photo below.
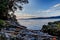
[46,11]
[22,14]
[53,8]
[56,5]
[52,11]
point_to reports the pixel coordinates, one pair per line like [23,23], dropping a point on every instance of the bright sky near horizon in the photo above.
[39,8]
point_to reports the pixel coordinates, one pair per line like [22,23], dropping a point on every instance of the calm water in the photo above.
[36,24]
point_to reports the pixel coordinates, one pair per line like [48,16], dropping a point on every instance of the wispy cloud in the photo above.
[52,11]
[56,5]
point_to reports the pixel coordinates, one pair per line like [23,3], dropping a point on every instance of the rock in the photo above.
[53,28]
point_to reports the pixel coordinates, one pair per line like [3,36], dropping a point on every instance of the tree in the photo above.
[7,6]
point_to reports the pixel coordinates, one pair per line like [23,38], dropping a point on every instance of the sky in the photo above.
[39,8]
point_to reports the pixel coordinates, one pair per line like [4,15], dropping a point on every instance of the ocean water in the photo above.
[36,24]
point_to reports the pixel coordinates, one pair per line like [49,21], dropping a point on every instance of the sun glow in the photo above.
[23,16]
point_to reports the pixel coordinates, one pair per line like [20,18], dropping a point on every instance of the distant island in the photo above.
[53,17]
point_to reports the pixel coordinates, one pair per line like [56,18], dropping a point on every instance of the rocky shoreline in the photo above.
[14,31]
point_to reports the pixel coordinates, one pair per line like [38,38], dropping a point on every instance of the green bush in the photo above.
[53,28]
[2,23]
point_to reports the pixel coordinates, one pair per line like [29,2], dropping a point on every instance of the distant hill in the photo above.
[53,17]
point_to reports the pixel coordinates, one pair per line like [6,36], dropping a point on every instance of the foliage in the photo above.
[53,28]
[7,6]
[11,4]
[2,23]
